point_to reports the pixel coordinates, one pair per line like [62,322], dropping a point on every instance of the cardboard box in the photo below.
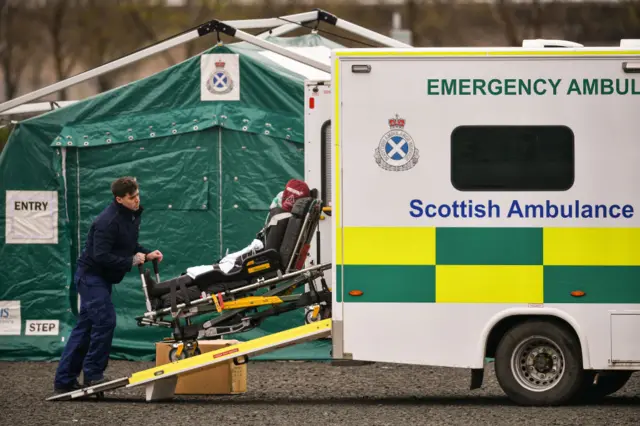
[219,379]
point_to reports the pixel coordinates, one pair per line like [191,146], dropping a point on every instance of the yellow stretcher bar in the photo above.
[246,302]
[313,331]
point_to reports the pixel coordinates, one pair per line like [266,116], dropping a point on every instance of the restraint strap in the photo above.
[179,282]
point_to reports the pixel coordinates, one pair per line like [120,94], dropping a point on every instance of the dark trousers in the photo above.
[90,341]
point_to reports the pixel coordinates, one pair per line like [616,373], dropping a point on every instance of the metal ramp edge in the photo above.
[91,390]
[160,381]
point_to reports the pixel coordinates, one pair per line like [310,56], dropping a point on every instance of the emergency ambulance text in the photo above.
[531,86]
[548,210]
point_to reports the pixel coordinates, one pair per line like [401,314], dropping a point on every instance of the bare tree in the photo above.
[14,45]
[59,24]
[3,12]
[503,10]
[141,18]
[434,23]
[197,13]
[101,37]
[538,18]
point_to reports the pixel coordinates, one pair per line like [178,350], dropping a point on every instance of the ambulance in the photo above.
[485,205]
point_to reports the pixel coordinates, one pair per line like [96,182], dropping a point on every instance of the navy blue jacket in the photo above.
[112,242]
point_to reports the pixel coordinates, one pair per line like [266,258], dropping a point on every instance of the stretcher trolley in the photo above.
[230,298]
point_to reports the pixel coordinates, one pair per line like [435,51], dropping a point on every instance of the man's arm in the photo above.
[103,240]
[142,249]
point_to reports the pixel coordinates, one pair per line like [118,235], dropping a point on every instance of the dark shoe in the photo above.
[88,383]
[64,389]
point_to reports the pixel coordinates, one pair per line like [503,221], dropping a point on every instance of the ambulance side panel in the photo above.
[423,278]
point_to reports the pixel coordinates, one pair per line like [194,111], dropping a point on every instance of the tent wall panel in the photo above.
[34,275]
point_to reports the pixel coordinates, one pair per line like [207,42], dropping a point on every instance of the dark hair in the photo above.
[123,186]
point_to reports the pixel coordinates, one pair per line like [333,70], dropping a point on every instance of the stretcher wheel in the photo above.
[323,313]
[308,317]
[185,354]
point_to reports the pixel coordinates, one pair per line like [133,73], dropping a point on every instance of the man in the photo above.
[111,250]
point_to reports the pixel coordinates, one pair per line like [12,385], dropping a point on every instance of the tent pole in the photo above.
[146,52]
[103,69]
[228,30]
[340,23]
[371,35]
[244,24]
[357,29]
[37,107]
[278,31]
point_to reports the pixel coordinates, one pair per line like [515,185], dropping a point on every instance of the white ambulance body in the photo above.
[485,204]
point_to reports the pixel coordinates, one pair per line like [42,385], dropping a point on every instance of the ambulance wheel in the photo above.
[539,363]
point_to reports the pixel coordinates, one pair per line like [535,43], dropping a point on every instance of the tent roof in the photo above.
[168,102]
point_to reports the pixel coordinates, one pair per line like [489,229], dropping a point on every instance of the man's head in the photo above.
[125,190]
[294,190]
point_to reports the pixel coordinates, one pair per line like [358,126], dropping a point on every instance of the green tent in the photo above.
[208,170]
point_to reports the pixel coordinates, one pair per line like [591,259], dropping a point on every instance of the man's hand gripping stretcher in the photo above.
[275,259]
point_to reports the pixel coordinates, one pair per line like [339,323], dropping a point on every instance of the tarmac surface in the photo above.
[296,393]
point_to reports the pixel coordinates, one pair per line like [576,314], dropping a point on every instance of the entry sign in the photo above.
[31,217]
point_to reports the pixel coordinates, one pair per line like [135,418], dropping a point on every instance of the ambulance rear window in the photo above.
[512,158]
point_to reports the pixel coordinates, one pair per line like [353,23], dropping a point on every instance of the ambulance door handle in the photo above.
[631,67]
[361,68]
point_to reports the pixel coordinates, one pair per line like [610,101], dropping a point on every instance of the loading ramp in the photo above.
[160,381]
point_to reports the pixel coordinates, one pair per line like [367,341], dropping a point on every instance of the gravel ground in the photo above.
[289,393]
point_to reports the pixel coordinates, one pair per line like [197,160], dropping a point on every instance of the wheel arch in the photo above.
[505,320]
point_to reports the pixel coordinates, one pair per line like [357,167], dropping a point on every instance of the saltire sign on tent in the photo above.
[220,77]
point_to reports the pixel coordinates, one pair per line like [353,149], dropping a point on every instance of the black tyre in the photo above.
[608,382]
[539,363]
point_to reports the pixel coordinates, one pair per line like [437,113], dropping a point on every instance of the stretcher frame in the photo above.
[237,308]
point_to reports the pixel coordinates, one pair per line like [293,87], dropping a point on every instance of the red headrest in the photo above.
[294,190]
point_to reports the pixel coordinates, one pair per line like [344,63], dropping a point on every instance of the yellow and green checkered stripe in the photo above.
[490,265]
